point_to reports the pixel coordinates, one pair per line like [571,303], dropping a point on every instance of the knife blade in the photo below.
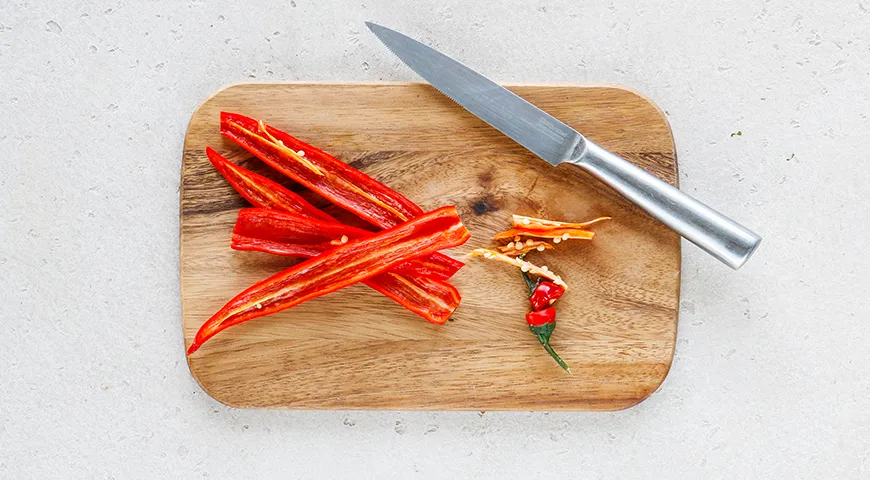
[556,142]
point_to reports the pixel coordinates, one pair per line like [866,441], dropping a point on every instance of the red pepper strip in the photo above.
[346,264]
[545,294]
[434,300]
[431,298]
[333,179]
[279,233]
[262,192]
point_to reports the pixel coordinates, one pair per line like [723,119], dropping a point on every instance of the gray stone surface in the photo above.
[770,377]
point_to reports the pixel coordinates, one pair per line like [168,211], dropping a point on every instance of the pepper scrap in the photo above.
[532,223]
[545,295]
[352,262]
[555,233]
[542,323]
[541,228]
[542,318]
[524,266]
[523,239]
[411,284]
[520,247]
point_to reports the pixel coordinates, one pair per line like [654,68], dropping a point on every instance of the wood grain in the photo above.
[355,349]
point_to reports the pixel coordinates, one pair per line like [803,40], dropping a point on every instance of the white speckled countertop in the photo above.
[770,377]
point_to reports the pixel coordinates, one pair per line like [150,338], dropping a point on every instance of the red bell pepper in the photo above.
[262,192]
[329,177]
[346,264]
[279,233]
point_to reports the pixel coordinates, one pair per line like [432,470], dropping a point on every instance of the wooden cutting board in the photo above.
[355,349]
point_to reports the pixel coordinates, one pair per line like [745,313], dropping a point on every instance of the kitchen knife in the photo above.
[556,143]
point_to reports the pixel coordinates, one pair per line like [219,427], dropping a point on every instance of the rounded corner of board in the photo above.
[641,398]
[211,98]
[204,385]
[661,116]
[653,388]
[646,99]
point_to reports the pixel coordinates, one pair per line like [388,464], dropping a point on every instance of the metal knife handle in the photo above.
[717,234]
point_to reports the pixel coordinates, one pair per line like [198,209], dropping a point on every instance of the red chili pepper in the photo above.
[410,284]
[349,263]
[545,294]
[542,324]
[419,285]
[270,231]
[363,195]
[331,178]
[541,317]
[262,192]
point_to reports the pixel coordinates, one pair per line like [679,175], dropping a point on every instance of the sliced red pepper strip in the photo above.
[333,179]
[275,232]
[434,300]
[410,284]
[261,191]
[346,264]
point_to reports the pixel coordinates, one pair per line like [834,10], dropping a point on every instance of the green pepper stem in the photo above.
[532,284]
[556,357]
[529,283]
[545,330]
